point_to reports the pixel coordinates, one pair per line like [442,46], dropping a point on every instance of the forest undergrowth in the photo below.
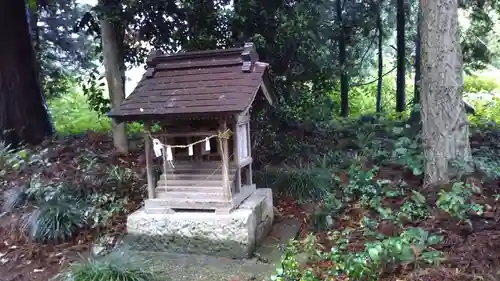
[67,200]
[374,221]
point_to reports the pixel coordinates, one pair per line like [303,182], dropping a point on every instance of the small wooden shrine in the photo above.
[201,102]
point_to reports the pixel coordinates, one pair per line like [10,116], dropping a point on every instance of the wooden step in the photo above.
[200,164]
[202,171]
[193,177]
[200,189]
[205,182]
[196,196]
[159,205]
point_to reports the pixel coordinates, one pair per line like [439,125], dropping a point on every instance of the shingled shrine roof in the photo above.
[211,82]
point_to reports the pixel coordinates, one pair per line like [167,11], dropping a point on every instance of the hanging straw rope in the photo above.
[223,135]
[158,147]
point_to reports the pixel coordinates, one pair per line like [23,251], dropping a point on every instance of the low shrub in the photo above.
[72,114]
[478,84]
[110,270]
[59,211]
[412,246]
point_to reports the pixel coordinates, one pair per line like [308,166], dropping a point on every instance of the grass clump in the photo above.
[304,183]
[55,221]
[112,270]
[57,211]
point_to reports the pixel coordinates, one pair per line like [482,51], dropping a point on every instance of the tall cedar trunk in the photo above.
[415,114]
[380,58]
[400,79]
[344,82]
[445,131]
[35,37]
[112,63]
[23,115]
[418,74]
[120,42]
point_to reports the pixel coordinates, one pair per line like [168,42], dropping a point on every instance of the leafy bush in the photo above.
[72,115]
[322,217]
[408,152]
[414,209]
[32,189]
[113,270]
[485,164]
[380,255]
[10,159]
[362,99]
[59,211]
[412,246]
[486,112]
[57,84]
[456,201]
[477,84]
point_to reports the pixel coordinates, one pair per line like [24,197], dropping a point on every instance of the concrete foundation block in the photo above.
[233,235]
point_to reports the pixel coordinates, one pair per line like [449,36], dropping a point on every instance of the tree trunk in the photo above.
[23,114]
[445,131]
[344,82]
[380,59]
[418,74]
[401,57]
[415,117]
[114,78]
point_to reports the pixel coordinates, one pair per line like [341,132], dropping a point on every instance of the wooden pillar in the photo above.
[249,147]
[148,147]
[165,164]
[224,153]
[236,157]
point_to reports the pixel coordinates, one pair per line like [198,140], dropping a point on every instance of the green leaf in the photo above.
[407,254]
[374,253]
[417,171]
[418,197]
[431,256]
[32,4]
[279,270]
[434,239]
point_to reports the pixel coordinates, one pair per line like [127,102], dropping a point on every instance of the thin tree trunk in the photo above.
[380,59]
[418,74]
[400,79]
[445,131]
[344,79]
[23,114]
[415,117]
[114,78]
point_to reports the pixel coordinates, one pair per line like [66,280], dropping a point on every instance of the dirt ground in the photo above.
[471,253]
[21,259]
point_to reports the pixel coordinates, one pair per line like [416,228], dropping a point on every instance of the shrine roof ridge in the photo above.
[197,82]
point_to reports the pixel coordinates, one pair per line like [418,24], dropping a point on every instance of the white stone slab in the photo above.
[234,234]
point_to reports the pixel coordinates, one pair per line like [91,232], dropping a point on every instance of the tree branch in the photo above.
[373,81]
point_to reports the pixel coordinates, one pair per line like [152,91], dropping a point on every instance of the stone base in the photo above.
[233,235]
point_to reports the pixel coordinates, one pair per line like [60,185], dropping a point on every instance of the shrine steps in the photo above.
[176,201]
[180,188]
[193,185]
